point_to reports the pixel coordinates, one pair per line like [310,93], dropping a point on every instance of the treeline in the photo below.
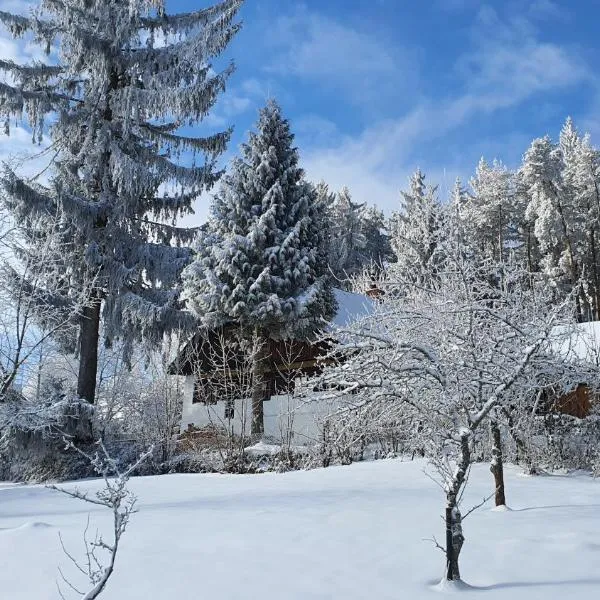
[545,216]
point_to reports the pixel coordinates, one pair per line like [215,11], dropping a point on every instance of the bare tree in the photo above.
[223,369]
[36,308]
[115,496]
[453,352]
[138,399]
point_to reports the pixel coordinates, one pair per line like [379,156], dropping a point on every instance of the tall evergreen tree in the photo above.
[553,209]
[346,257]
[585,170]
[325,201]
[129,76]
[490,212]
[260,263]
[377,250]
[416,230]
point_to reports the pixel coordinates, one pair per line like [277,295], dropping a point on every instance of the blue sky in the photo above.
[375,89]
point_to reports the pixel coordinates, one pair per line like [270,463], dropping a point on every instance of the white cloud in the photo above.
[314,47]
[315,130]
[507,66]
[510,61]
[22,155]
[18,149]
[590,123]
[548,9]
[320,47]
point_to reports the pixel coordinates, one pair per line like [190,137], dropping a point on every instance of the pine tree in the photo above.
[260,263]
[416,230]
[129,76]
[377,250]
[490,213]
[585,170]
[347,254]
[324,206]
[456,214]
[553,209]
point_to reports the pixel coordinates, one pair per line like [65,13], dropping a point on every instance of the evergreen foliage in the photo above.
[346,256]
[416,230]
[260,262]
[129,77]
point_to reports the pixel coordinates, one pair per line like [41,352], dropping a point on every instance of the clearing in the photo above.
[345,532]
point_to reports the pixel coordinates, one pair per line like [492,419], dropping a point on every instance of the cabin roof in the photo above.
[350,307]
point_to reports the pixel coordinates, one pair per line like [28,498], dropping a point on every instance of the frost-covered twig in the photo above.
[478,505]
[435,543]
[115,496]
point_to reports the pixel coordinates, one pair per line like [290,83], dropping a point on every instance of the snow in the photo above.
[351,307]
[347,533]
[582,343]
[263,448]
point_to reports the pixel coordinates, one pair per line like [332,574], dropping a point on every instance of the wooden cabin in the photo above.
[583,344]
[217,370]
[576,403]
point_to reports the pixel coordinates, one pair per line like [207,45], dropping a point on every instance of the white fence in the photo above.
[283,415]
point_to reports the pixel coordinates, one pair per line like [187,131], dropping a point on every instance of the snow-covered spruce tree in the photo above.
[325,201]
[127,77]
[346,256]
[455,213]
[449,355]
[260,261]
[378,249]
[581,176]
[416,230]
[490,212]
[554,209]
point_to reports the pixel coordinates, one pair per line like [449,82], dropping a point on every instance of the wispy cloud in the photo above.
[18,149]
[548,9]
[21,154]
[506,65]
[314,47]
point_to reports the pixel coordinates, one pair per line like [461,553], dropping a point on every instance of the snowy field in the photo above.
[346,532]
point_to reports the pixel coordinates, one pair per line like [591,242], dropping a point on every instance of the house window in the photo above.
[203,393]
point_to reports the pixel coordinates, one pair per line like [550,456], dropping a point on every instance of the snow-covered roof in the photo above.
[580,341]
[351,307]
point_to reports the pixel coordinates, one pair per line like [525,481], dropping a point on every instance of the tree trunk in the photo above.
[595,260]
[454,533]
[522,454]
[532,258]
[89,333]
[261,355]
[580,300]
[497,466]
[595,277]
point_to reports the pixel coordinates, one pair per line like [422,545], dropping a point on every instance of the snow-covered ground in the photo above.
[346,532]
